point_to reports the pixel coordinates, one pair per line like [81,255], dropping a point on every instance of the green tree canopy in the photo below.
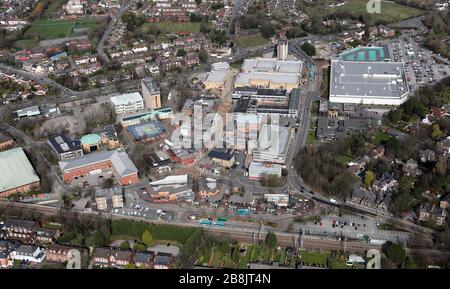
[308,48]
[181,52]
[369,177]
[139,247]
[271,240]
[147,238]
[396,253]
[125,245]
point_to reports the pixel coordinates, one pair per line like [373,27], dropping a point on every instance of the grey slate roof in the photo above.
[120,160]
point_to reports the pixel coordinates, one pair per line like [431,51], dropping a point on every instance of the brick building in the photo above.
[116,161]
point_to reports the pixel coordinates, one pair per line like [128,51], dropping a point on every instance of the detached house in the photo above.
[386,183]
[432,213]
[28,253]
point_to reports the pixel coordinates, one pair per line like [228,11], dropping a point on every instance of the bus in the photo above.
[243,212]
[219,223]
[205,222]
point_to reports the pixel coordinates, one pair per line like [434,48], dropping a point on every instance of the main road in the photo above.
[101,44]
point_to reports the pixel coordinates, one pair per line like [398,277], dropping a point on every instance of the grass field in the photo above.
[26,43]
[170,27]
[50,29]
[315,257]
[344,159]
[380,137]
[390,12]
[252,41]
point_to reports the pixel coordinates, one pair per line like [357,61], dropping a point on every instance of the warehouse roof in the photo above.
[217,76]
[119,159]
[245,78]
[15,170]
[261,168]
[368,79]
[271,65]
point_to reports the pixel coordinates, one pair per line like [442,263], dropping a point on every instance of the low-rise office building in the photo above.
[127,103]
[260,171]
[65,146]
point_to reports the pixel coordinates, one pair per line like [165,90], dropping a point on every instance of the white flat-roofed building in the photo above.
[272,65]
[269,73]
[281,200]
[28,111]
[260,171]
[128,103]
[273,144]
[216,78]
[373,83]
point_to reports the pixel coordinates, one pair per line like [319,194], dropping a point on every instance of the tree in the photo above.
[369,177]
[125,245]
[235,255]
[139,247]
[130,266]
[204,27]
[97,239]
[436,132]
[396,253]
[203,56]
[273,181]
[225,247]
[271,240]
[147,238]
[267,30]
[308,48]
[181,52]
[108,183]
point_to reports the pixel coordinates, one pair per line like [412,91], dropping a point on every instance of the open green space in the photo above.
[317,258]
[51,28]
[343,159]
[380,137]
[252,40]
[26,43]
[191,27]
[311,137]
[390,12]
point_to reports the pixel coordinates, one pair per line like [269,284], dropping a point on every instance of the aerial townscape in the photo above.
[224,134]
